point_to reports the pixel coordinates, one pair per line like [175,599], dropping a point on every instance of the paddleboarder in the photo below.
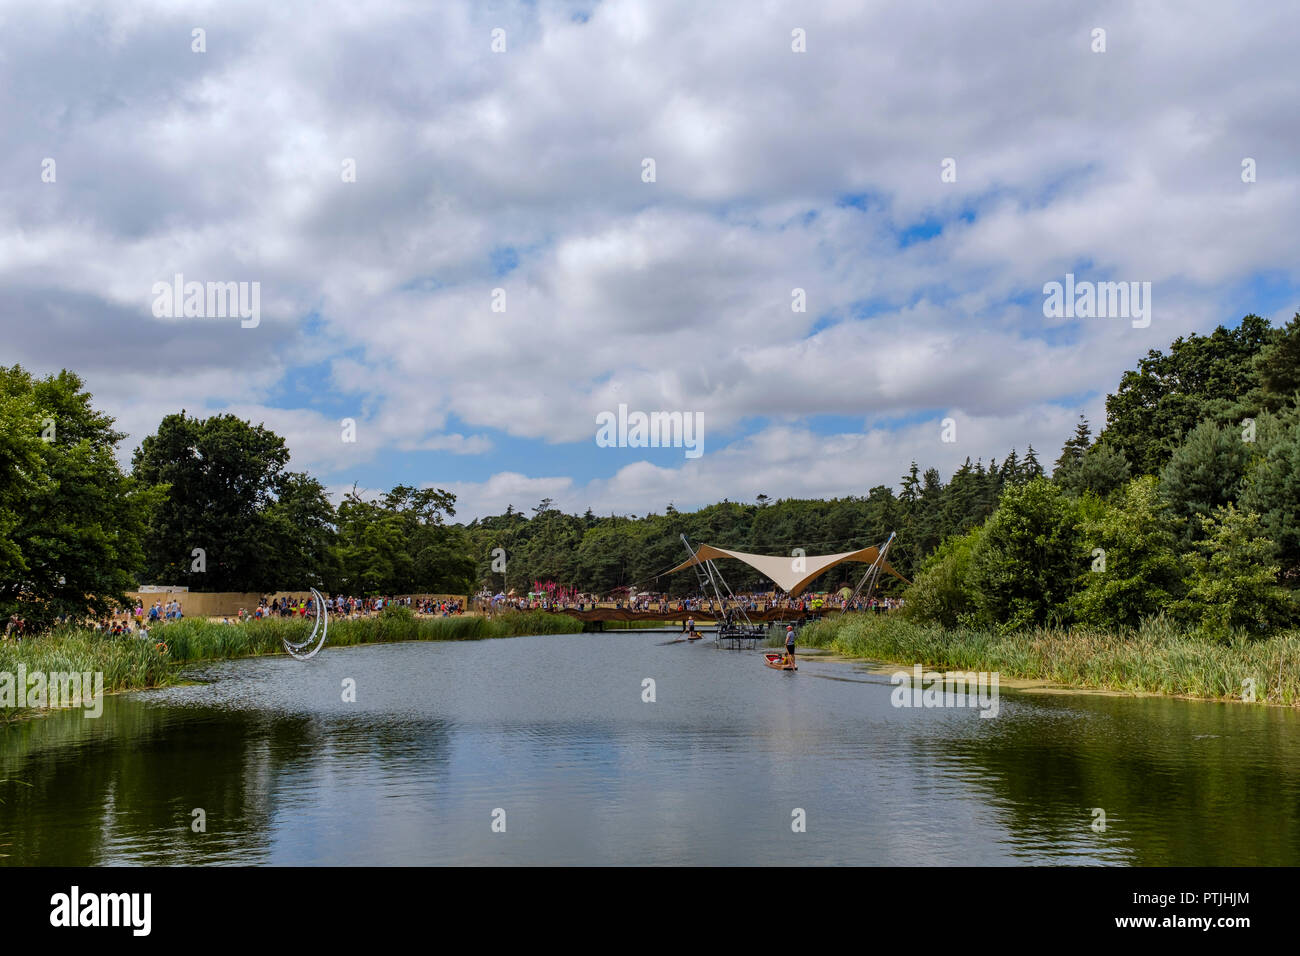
[789,645]
[690,628]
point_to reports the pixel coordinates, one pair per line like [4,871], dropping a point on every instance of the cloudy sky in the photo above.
[524,170]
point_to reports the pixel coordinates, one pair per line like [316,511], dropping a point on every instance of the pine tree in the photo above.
[1278,365]
[961,504]
[1073,450]
[1102,471]
[1009,473]
[1031,469]
[1206,472]
[911,485]
[929,525]
[992,489]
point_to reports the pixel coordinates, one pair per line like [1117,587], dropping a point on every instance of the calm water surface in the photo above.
[553,731]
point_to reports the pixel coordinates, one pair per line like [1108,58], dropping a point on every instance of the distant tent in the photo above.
[790,574]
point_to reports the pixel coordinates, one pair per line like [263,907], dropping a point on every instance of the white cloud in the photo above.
[671,295]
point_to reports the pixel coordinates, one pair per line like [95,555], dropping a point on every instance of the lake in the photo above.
[551,737]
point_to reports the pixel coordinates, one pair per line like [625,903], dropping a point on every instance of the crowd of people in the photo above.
[351,608]
[355,607]
[698,603]
[137,620]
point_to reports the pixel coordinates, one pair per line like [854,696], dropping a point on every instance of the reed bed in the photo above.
[129,663]
[1156,658]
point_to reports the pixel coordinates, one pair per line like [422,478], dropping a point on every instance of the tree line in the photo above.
[209,504]
[1187,502]
[1186,505]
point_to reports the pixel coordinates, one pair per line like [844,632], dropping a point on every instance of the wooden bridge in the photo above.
[601,615]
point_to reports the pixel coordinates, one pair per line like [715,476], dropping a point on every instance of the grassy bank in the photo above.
[1155,659]
[129,663]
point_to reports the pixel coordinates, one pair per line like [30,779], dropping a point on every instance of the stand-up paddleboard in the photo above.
[697,637]
[778,661]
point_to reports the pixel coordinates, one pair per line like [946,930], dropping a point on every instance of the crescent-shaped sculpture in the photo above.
[322,625]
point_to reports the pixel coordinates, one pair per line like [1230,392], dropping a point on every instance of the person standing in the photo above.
[789,647]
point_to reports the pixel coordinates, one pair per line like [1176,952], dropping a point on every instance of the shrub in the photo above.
[1029,559]
[942,592]
[1135,570]
[1233,586]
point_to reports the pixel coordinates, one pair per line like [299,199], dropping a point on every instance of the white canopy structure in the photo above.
[790,574]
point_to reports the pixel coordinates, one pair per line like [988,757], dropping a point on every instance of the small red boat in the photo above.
[778,661]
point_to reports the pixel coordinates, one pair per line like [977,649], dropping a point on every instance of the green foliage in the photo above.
[1272,488]
[1278,366]
[969,498]
[400,544]
[298,528]
[1072,452]
[1024,573]
[397,613]
[1233,585]
[598,554]
[1205,473]
[129,663]
[224,477]
[1201,377]
[21,467]
[1099,469]
[71,523]
[1031,469]
[1135,571]
[942,591]
[1157,659]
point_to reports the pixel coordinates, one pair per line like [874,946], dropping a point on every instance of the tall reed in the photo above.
[1156,658]
[132,663]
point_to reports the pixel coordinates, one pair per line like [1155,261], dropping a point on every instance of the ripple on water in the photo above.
[554,732]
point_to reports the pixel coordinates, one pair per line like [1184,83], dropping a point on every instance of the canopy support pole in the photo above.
[872,576]
[740,607]
[701,576]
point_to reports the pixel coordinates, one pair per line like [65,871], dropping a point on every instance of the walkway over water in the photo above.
[623,614]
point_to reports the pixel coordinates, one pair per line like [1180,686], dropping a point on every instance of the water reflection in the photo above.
[554,732]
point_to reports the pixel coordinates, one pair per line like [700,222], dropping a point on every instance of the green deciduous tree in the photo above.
[942,592]
[71,523]
[1029,561]
[1200,377]
[298,527]
[1233,585]
[1134,568]
[225,477]
[400,544]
